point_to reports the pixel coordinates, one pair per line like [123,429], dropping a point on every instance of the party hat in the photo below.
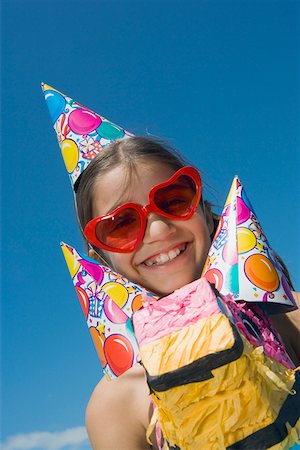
[81,133]
[241,261]
[108,301]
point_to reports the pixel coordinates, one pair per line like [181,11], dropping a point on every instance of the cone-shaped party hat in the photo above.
[81,133]
[241,261]
[108,301]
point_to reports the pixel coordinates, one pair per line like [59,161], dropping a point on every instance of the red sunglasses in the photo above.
[123,229]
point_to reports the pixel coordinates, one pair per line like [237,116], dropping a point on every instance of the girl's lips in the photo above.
[166,256]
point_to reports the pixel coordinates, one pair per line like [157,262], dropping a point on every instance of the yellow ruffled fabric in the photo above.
[242,397]
[182,347]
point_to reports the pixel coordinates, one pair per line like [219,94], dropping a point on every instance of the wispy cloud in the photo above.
[69,439]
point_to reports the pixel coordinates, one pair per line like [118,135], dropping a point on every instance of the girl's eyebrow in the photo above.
[115,206]
[118,203]
[122,198]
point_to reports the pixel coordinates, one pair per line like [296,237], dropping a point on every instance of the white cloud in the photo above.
[71,439]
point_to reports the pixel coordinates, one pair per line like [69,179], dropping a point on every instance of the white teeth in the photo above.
[173,253]
[164,257]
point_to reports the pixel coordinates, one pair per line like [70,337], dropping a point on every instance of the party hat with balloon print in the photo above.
[81,133]
[108,301]
[241,261]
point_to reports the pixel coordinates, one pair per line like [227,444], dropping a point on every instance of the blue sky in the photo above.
[218,79]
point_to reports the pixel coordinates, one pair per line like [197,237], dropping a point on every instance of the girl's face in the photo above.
[172,252]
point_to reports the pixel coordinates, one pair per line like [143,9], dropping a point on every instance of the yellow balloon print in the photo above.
[117,292]
[72,264]
[70,154]
[232,192]
[246,240]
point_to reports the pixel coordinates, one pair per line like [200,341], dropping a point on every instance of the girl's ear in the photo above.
[97,257]
[93,254]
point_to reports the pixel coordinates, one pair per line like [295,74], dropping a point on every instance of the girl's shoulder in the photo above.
[118,412]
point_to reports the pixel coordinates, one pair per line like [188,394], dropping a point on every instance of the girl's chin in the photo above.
[164,286]
[166,278]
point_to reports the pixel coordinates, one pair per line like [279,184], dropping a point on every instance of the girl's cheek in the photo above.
[120,263]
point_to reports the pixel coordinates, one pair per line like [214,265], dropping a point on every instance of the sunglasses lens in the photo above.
[120,231]
[177,199]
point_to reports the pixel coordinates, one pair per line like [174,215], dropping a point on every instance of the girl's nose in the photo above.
[158,228]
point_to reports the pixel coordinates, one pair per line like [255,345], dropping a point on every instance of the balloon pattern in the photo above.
[56,103]
[81,133]
[214,276]
[241,261]
[108,301]
[113,312]
[137,303]
[119,353]
[69,151]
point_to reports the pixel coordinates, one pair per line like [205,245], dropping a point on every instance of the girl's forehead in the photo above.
[128,177]
[124,183]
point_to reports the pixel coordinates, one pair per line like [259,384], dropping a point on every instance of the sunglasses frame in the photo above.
[144,211]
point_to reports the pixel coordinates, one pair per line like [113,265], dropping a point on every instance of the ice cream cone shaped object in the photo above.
[218,373]
[241,261]
[217,370]
[108,301]
[81,132]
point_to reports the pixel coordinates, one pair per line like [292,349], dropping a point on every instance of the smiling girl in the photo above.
[142,209]
[142,212]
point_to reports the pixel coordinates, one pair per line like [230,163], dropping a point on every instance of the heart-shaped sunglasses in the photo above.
[123,229]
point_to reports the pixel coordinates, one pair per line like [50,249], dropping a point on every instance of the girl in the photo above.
[164,247]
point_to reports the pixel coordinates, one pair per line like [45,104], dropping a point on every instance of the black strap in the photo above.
[199,370]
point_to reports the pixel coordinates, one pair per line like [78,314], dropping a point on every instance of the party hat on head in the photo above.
[241,261]
[108,301]
[81,133]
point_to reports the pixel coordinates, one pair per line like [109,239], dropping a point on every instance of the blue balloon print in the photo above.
[56,104]
[129,327]
[110,131]
[233,279]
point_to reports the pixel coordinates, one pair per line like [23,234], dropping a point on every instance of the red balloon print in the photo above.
[215,277]
[119,353]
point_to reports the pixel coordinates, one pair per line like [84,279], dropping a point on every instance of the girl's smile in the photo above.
[165,256]
[172,252]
